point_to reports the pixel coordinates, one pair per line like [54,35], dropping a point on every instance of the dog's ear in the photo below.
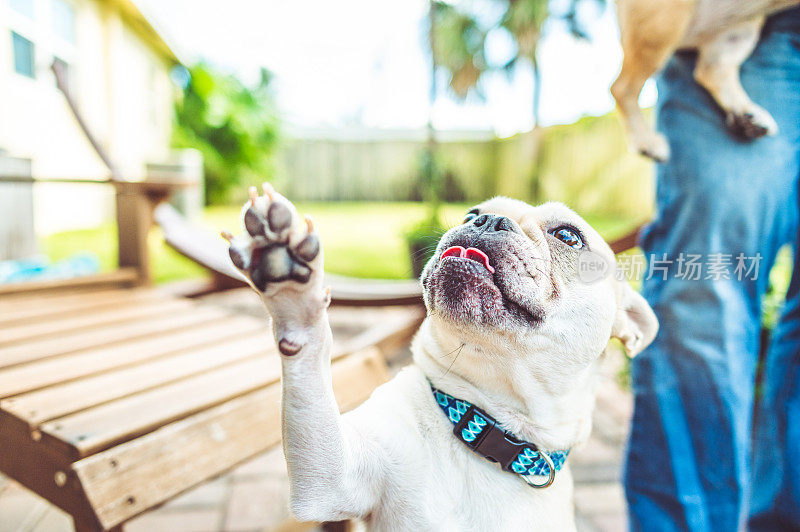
[635,324]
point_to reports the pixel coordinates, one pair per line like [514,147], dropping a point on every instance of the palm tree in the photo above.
[523,20]
[460,37]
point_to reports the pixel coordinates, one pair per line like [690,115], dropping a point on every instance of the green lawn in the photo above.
[359,239]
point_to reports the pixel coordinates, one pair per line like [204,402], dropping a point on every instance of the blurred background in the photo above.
[400,113]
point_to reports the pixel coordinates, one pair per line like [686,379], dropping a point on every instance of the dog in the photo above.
[724,32]
[504,364]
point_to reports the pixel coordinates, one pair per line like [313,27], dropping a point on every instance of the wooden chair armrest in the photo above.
[627,241]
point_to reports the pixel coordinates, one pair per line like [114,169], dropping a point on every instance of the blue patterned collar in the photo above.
[484,436]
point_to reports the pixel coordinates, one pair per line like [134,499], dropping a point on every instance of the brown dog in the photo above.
[724,32]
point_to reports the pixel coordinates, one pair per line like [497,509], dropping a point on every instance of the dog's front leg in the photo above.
[650,31]
[281,256]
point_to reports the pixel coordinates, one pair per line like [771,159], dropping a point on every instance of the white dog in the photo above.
[512,337]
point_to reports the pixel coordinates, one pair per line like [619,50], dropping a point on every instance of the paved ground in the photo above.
[254,495]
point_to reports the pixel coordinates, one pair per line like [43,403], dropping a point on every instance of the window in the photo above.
[23,55]
[64,20]
[24,7]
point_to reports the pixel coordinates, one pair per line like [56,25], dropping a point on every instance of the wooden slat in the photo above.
[99,428]
[69,322]
[41,373]
[130,478]
[373,292]
[120,277]
[386,336]
[196,244]
[42,405]
[38,308]
[116,334]
[16,302]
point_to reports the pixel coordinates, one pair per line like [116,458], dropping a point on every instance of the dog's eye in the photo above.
[471,215]
[568,235]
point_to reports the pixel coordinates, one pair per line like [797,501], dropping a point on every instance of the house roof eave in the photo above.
[143,25]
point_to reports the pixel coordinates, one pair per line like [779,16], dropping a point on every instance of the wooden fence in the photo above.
[586,165]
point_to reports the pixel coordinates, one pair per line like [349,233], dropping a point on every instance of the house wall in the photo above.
[122,88]
[17,239]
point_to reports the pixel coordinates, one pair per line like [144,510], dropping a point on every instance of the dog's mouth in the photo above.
[465,286]
[469,254]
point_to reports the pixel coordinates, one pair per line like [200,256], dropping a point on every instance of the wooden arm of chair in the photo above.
[626,241]
[136,205]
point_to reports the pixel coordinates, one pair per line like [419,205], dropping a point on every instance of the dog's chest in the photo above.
[461,496]
[437,483]
[476,497]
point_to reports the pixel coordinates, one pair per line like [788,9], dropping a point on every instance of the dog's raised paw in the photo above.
[276,246]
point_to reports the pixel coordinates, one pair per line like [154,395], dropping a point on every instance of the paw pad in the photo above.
[279,217]
[308,249]
[254,223]
[288,348]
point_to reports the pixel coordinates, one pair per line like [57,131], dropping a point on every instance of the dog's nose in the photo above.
[493,222]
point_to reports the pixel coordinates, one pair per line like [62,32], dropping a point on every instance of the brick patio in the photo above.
[254,495]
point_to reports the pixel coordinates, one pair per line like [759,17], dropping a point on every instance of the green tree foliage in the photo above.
[235,127]
[461,29]
[460,41]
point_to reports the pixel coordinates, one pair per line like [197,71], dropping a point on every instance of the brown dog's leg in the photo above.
[717,70]
[651,30]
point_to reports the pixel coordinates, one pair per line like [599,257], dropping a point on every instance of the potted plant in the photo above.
[422,237]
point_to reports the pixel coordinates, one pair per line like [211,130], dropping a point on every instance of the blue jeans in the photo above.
[701,456]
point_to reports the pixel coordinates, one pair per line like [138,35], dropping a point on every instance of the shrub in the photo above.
[235,128]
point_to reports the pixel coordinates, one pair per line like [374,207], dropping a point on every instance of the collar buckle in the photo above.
[479,431]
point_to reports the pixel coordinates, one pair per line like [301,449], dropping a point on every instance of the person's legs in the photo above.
[775,501]
[775,497]
[688,462]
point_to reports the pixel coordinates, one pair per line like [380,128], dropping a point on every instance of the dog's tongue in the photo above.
[469,253]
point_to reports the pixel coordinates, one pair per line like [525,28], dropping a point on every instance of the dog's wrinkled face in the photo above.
[512,270]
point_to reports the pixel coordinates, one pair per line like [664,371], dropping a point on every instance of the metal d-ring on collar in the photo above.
[550,479]
[483,435]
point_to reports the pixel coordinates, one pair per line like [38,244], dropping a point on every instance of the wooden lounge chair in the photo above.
[116,397]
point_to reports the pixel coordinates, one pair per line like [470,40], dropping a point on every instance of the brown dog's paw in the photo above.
[652,145]
[751,123]
[745,126]
[656,155]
